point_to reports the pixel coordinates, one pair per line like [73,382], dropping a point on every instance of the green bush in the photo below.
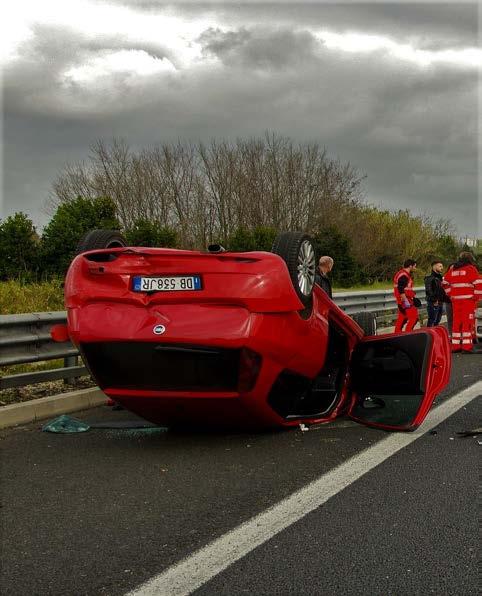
[69,224]
[346,271]
[259,238]
[447,250]
[149,233]
[18,247]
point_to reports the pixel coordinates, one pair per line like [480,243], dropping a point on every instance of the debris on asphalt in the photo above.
[470,433]
[136,433]
[123,424]
[68,424]
[433,431]
[304,428]
[65,424]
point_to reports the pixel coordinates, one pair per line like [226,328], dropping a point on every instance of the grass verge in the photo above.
[18,297]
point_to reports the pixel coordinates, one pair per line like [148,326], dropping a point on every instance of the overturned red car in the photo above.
[226,339]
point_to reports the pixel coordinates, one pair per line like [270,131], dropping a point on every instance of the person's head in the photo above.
[437,266]
[467,258]
[325,264]
[410,265]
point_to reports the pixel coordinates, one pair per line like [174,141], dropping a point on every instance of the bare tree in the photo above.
[208,191]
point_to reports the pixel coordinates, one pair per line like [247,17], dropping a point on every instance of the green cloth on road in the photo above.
[65,424]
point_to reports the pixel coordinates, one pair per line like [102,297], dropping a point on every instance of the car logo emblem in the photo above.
[159,329]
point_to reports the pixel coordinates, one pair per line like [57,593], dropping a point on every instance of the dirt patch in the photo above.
[22,394]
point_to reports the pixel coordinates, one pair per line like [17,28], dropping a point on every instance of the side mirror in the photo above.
[59,333]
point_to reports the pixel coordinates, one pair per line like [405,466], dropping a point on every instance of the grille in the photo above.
[161,367]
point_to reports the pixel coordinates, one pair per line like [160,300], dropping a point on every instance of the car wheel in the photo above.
[97,239]
[298,252]
[367,321]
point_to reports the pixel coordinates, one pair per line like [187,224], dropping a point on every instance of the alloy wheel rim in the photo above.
[306,268]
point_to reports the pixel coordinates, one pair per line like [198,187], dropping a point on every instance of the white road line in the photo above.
[197,569]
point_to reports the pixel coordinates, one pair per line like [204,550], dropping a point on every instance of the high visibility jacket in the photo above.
[408,291]
[463,283]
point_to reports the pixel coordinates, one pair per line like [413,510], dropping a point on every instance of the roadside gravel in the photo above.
[30,392]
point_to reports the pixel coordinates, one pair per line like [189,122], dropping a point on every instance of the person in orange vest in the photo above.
[405,297]
[463,284]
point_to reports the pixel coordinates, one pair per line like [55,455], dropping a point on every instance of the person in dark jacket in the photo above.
[325,265]
[435,294]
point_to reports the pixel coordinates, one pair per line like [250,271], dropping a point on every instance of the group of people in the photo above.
[457,292]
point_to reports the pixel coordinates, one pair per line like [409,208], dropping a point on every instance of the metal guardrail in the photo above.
[380,302]
[25,338]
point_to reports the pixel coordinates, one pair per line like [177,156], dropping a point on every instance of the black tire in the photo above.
[97,239]
[298,252]
[367,321]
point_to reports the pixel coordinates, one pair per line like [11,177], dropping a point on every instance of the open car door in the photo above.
[395,378]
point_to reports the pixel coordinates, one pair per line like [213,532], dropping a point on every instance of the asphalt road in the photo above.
[103,511]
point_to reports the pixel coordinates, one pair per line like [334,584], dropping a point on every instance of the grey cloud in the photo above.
[433,24]
[222,43]
[34,82]
[260,47]
[156,50]
[53,48]
[441,15]
[37,66]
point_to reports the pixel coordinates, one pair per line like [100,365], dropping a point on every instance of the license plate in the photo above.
[167,284]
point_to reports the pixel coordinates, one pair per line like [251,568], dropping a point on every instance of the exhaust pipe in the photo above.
[215,248]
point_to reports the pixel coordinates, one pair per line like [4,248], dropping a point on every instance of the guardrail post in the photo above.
[70,361]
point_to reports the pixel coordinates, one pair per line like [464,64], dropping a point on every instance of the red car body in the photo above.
[241,350]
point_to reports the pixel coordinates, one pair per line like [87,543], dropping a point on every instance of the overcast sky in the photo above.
[391,87]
